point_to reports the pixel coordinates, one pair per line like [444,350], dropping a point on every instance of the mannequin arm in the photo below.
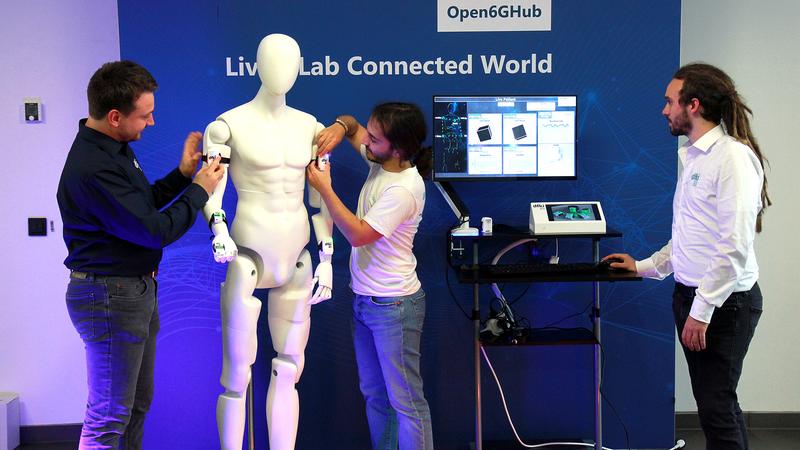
[323,274]
[323,233]
[214,146]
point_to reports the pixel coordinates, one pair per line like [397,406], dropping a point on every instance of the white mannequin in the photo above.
[269,145]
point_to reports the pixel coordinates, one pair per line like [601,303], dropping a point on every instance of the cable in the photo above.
[499,255]
[600,388]
[570,316]
[522,294]
[452,294]
[510,422]
[496,289]
[680,443]
[624,428]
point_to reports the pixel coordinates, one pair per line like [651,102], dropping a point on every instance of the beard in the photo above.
[680,126]
[375,158]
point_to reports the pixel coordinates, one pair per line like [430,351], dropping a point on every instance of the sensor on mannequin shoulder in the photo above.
[214,152]
[322,161]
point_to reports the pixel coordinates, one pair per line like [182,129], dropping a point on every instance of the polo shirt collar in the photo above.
[102,140]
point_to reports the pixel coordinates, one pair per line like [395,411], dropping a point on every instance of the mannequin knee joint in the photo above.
[283,371]
[235,380]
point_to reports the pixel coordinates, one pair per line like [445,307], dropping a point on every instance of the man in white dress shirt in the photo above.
[720,196]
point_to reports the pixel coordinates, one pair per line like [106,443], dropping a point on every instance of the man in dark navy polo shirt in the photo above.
[115,225]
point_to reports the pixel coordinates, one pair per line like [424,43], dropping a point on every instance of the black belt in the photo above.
[686,291]
[689,291]
[78,275]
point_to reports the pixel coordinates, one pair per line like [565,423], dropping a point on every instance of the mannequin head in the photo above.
[278,61]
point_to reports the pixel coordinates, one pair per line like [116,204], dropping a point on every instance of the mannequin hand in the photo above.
[323,280]
[329,138]
[694,334]
[191,154]
[224,248]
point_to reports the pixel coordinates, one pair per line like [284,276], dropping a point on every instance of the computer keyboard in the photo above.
[545,268]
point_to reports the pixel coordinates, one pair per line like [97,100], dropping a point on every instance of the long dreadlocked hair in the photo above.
[721,103]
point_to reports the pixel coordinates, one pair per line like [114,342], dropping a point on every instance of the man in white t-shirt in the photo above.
[716,213]
[389,304]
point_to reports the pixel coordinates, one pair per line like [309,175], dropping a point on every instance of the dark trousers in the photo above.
[715,371]
[117,319]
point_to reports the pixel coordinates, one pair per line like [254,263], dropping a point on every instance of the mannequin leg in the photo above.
[289,325]
[240,312]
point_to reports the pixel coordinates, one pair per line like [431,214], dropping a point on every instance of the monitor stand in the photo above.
[459,209]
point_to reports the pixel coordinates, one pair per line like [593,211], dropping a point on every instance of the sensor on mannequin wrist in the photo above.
[326,246]
[217,217]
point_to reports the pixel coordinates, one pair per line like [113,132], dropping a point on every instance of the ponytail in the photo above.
[423,160]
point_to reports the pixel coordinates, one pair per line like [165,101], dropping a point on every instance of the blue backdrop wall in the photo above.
[617,56]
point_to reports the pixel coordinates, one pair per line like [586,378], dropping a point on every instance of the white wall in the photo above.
[758,45]
[48,49]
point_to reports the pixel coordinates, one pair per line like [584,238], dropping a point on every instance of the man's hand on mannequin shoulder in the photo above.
[191,154]
[329,138]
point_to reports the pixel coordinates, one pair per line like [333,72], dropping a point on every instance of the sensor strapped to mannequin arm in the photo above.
[216,136]
[217,217]
[223,160]
[322,161]
[217,151]
[325,246]
[323,229]
[219,248]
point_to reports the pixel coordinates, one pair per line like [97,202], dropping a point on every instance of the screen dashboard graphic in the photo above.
[579,212]
[493,137]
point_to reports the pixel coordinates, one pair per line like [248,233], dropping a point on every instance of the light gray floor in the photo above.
[760,439]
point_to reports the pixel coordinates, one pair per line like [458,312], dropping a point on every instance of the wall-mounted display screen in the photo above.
[504,137]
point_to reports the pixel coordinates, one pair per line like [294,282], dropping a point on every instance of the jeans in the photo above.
[117,319]
[715,371]
[386,335]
